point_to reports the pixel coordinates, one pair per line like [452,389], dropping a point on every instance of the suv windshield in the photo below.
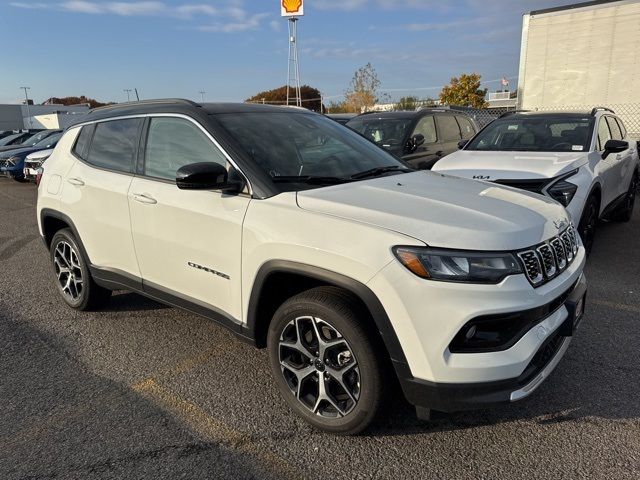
[535,134]
[386,132]
[7,140]
[310,148]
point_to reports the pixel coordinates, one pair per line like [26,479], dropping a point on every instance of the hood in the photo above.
[443,211]
[510,165]
[40,154]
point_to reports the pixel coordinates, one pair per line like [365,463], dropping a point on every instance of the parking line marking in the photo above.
[618,306]
[213,429]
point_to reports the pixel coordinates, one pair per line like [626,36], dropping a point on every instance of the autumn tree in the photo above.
[464,91]
[407,103]
[363,90]
[76,101]
[338,107]
[310,97]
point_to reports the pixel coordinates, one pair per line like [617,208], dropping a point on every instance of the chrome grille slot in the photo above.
[561,256]
[532,266]
[548,260]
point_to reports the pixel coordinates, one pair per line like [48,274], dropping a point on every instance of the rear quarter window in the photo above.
[81,147]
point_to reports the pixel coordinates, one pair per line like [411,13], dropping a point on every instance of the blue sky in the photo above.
[235,48]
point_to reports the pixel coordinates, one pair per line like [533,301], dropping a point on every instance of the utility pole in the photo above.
[137,96]
[128,90]
[26,98]
[202,92]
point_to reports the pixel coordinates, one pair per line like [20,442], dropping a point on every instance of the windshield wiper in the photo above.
[374,172]
[309,179]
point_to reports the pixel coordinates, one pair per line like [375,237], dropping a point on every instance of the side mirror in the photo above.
[462,144]
[614,146]
[205,176]
[414,142]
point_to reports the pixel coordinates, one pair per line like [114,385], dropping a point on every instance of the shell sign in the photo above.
[291,8]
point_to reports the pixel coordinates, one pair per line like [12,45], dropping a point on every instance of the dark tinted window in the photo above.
[466,127]
[173,143]
[616,134]
[449,130]
[82,142]
[114,144]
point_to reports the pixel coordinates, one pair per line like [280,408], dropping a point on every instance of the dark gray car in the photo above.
[420,137]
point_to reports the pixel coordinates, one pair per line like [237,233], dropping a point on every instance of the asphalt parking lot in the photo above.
[140,390]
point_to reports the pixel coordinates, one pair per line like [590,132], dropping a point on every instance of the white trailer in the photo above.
[580,56]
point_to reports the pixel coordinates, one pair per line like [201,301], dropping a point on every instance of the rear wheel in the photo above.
[324,362]
[589,222]
[73,278]
[624,212]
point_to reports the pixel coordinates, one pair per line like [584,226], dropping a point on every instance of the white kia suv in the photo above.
[301,236]
[583,160]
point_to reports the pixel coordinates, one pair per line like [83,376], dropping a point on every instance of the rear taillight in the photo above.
[39,173]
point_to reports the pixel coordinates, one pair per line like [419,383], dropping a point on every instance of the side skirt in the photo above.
[117,280]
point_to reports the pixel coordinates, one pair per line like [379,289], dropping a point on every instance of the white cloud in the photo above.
[230,14]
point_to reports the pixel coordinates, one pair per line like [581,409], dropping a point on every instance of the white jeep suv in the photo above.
[301,236]
[583,160]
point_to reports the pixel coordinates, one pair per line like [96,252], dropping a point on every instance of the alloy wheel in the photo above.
[319,367]
[67,267]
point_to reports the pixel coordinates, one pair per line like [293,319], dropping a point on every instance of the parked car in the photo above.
[30,139]
[6,133]
[341,118]
[12,161]
[302,237]
[13,139]
[584,160]
[33,162]
[421,137]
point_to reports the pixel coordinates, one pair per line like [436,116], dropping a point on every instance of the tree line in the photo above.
[364,92]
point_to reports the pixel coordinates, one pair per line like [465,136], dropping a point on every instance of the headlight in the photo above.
[563,191]
[458,266]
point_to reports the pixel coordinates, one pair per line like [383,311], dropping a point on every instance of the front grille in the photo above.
[547,260]
[535,186]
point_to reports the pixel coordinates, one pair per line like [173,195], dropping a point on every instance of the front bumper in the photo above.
[451,397]
[427,315]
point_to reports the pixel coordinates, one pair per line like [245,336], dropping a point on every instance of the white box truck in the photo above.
[579,56]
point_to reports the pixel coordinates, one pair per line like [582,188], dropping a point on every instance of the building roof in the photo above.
[573,6]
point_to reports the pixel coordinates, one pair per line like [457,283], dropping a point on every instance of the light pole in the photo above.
[26,98]
[128,90]
[202,92]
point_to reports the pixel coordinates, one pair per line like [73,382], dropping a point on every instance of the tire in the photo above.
[72,275]
[351,368]
[624,212]
[589,222]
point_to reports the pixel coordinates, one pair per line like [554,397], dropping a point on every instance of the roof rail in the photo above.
[158,101]
[511,112]
[596,109]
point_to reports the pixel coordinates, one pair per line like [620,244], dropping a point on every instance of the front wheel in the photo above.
[624,212]
[325,363]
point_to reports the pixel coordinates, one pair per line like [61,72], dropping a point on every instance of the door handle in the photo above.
[144,198]
[75,181]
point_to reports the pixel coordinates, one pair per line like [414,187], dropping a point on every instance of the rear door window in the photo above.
[115,144]
[449,129]
[622,129]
